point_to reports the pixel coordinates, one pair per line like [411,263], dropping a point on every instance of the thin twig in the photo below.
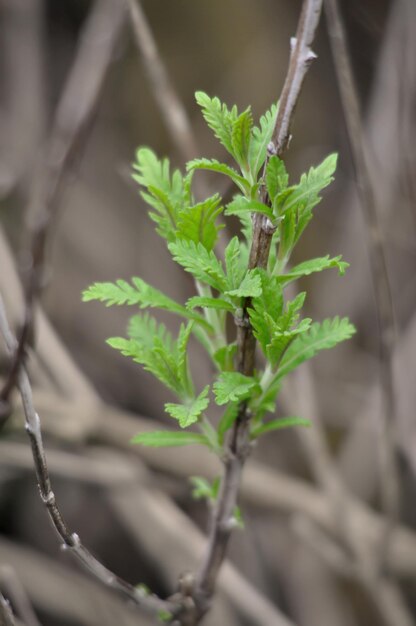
[6,615]
[238,445]
[70,541]
[389,480]
[17,594]
[167,98]
[74,115]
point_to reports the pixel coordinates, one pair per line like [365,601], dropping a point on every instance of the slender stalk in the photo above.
[70,540]
[389,480]
[238,444]
[73,121]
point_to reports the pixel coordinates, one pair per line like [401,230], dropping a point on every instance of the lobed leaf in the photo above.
[200,262]
[189,413]
[233,386]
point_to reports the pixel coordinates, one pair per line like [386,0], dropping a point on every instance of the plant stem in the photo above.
[238,445]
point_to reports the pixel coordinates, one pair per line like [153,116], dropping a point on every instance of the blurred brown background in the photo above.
[128,504]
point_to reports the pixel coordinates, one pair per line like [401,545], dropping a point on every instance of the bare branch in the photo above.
[73,119]
[389,480]
[17,593]
[70,541]
[6,615]
[168,100]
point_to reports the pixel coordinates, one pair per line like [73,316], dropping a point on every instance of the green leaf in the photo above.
[240,137]
[250,286]
[200,262]
[235,268]
[224,356]
[261,137]
[167,439]
[197,223]
[219,118]
[314,265]
[277,424]
[240,205]
[141,294]
[166,194]
[277,178]
[188,414]
[221,168]
[154,348]
[319,337]
[209,303]
[296,203]
[266,309]
[227,420]
[203,489]
[233,386]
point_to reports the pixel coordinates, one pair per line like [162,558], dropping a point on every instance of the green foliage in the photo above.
[227,286]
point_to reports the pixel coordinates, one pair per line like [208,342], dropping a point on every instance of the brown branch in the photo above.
[389,480]
[238,444]
[73,118]
[70,541]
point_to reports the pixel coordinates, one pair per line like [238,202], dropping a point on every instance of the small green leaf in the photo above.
[277,178]
[224,356]
[219,118]
[203,489]
[220,168]
[201,263]
[319,337]
[164,616]
[277,424]
[188,414]
[250,286]
[241,205]
[233,386]
[197,223]
[168,439]
[209,303]
[261,137]
[227,420]
[240,137]
[314,265]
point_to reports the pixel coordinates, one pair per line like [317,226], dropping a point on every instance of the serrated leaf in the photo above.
[227,420]
[319,337]
[209,303]
[141,294]
[241,205]
[168,439]
[213,165]
[233,386]
[197,223]
[296,203]
[218,117]
[224,356]
[165,193]
[240,137]
[200,262]
[235,269]
[144,328]
[189,413]
[182,358]
[260,138]
[278,424]
[266,309]
[250,286]
[277,178]
[314,265]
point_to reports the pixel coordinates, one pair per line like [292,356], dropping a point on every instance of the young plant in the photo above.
[255,297]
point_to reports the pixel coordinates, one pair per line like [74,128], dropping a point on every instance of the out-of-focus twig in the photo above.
[389,480]
[6,615]
[166,96]
[72,123]
[70,540]
[17,593]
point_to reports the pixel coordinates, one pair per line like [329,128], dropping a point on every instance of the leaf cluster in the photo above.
[224,285]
